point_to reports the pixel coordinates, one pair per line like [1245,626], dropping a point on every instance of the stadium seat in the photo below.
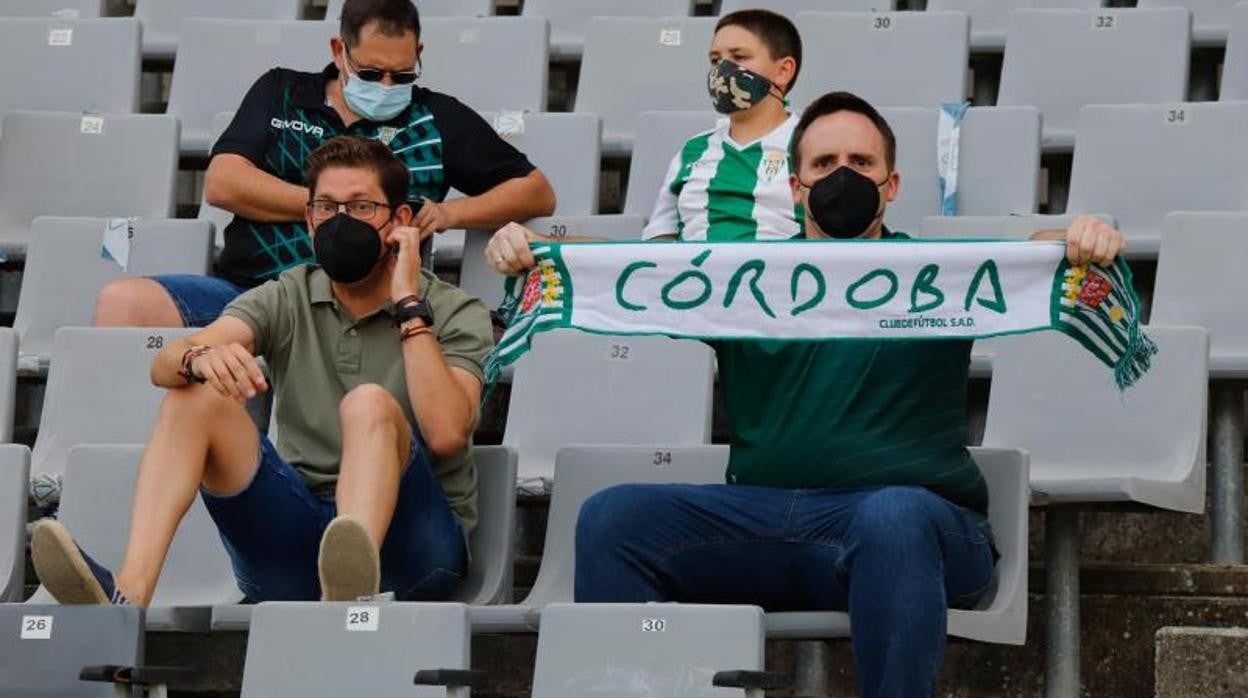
[8,383]
[81,175]
[1139,163]
[337,649]
[569,19]
[78,65]
[1210,18]
[65,269]
[790,8]
[990,18]
[162,19]
[487,62]
[925,53]
[430,8]
[585,470]
[581,388]
[65,9]
[565,147]
[14,478]
[86,405]
[96,496]
[1117,56]
[644,649]
[208,80]
[660,135]
[1235,67]
[635,64]
[999,163]
[45,647]
[995,227]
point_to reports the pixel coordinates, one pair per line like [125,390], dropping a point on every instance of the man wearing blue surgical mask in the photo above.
[370,90]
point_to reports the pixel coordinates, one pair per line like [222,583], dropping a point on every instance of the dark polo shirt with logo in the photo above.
[284,117]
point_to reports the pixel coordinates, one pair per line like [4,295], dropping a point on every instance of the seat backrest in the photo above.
[60,641]
[925,54]
[335,649]
[576,387]
[84,405]
[65,269]
[994,227]
[633,64]
[162,19]
[8,382]
[429,8]
[790,8]
[565,147]
[207,80]
[479,279]
[487,62]
[14,482]
[489,574]
[569,19]
[660,136]
[73,65]
[1054,399]
[1116,170]
[66,9]
[1210,18]
[1108,56]
[1200,279]
[80,176]
[990,18]
[644,649]
[1235,67]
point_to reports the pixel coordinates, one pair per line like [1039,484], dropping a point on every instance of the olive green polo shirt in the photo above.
[317,353]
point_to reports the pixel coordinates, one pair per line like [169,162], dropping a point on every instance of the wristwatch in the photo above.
[413,310]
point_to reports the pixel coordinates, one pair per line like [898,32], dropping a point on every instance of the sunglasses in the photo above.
[398,77]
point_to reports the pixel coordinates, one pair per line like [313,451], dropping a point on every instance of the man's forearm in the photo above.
[516,199]
[443,410]
[236,185]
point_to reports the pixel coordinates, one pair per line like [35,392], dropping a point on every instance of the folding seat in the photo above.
[1139,163]
[162,19]
[73,65]
[46,647]
[1011,227]
[208,80]
[1210,18]
[1115,56]
[8,383]
[1235,67]
[429,8]
[59,164]
[990,18]
[569,19]
[65,9]
[891,59]
[487,62]
[637,64]
[790,8]
[565,147]
[660,136]
[65,268]
[14,479]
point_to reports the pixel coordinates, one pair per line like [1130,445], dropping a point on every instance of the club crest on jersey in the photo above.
[773,160]
[386,134]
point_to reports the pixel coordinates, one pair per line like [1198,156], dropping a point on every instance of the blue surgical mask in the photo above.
[375,101]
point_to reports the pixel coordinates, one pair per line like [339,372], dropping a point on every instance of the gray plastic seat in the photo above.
[72,65]
[336,649]
[565,147]
[1114,56]
[1235,67]
[78,636]
[990,18]
[96,497]
[14,478]
[994,227]
[790,8]
[644,649]
[429,8]
[633,64]
[477,278]
[1116,166]
[660,136]
[65,269]
[81,175]
[208,80]
[162,19]
[8,382]
[576,387]
[84,405]
[487,62]
[585,470]
[569,19]
[999,163]
[1200,278]
[891,59]
[65,9]
[1210,18]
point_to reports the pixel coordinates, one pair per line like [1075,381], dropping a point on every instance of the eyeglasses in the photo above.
[399,77]
[321,209]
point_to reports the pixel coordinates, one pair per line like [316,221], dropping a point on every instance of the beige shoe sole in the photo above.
[61,568]
[349,562]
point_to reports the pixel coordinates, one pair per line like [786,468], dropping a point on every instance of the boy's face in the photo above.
[742,47]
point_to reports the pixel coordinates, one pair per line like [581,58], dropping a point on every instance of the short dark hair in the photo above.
[775,31]
[348,151]
[832,103]
[393,18]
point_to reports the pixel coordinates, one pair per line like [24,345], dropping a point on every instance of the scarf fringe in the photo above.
[1138,358]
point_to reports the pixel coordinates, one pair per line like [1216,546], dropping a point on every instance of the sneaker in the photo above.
[69,574]
[349,563]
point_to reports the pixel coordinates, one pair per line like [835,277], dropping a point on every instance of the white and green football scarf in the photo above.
[819,290]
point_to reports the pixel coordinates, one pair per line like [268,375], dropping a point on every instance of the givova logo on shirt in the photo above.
[297,126]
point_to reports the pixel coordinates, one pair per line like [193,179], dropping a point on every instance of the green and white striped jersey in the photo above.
[716,189]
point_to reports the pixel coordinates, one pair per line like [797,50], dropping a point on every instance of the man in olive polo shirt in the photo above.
[377,373]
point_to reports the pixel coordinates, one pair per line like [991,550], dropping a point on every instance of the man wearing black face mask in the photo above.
[377,370]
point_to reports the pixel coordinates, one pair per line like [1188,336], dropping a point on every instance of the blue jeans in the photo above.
[272,531]
[896,558]
[200,299]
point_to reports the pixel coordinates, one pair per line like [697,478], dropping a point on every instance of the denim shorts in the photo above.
[200,299]
[272,531]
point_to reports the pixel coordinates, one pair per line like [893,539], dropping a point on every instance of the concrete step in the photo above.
[1201,662]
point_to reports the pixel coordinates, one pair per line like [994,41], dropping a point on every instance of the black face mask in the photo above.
[347,248]
[845,203]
